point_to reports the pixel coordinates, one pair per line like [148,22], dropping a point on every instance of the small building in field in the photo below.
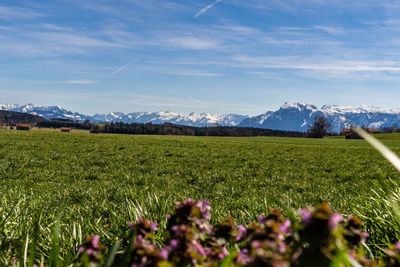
[345,131]
[23,127]
[65,129]
[354,135]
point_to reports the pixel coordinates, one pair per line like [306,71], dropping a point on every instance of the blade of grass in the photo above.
[112,254]
[55,245]
[391,157]
[26,250]
[386,152]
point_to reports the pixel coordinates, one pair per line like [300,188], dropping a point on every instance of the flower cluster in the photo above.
[320,238]
[91,250]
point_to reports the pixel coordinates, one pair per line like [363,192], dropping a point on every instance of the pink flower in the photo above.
[365,235]
[334,220]
[261,218]
[306,216]
[199,249]
[225,253]
[95,241]
[285,227]
[153,226]
[242,258]
[242,232]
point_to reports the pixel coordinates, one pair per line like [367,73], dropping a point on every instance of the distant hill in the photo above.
[11,117]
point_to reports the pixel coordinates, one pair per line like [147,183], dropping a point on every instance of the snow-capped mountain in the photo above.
[47,112]
[290,117]
[299,116]
[192,119]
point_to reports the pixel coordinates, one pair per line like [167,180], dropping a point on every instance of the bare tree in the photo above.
[319,128]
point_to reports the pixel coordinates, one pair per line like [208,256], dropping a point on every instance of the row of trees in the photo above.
[172,129]
[65,123]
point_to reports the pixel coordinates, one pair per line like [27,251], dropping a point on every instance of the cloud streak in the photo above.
[122,68]
[204,10]
[338,66]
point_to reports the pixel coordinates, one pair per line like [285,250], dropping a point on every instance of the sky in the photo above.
[224,56]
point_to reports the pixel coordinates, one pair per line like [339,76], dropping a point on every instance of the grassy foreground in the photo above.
[94,184]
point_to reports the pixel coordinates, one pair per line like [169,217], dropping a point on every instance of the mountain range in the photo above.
[289,117]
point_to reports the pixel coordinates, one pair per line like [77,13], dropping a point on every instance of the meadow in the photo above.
[79,183]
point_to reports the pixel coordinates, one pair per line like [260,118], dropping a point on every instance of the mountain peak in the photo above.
[298,105]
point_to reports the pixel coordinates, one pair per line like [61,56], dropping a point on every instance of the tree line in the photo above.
[58,123]
[173,129]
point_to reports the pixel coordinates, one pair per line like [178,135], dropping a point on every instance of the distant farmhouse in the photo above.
[23,127]
[65,129]
[350,134]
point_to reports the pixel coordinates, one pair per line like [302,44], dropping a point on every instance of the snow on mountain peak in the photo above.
[332,109]
[299,106]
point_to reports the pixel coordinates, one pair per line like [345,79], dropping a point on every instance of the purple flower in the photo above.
[242,232]
[365,235]
[225,253]
[306,216]
[89,251]
[174,243]
[334,220]
[95,241]
[242,258]
[285,227]
[199,248]
[164,253]
[153,226]
[256,244]
[397,246]
[261,218]
[282,247]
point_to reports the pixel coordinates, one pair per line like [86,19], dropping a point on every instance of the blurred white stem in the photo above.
[386,152]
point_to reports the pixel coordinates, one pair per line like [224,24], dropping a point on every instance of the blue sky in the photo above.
[227,56]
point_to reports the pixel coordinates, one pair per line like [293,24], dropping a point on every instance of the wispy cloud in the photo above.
[18,13]
[204,10]
[329,29]
[73,39]
[80,82]
[193,73]
[122,68]
[319,64]
[56,27]
[191,42]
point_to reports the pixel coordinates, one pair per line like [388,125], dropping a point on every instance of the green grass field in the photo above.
[94,184]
